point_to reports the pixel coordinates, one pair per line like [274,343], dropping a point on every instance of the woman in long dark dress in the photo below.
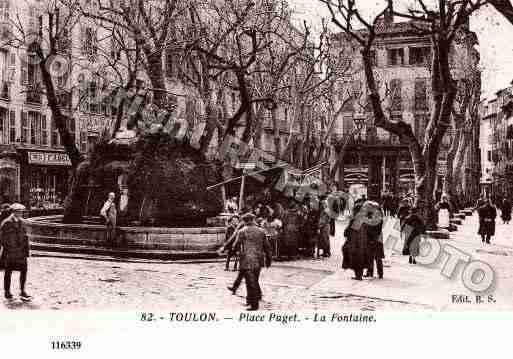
[290,239]
[412,228]
[506,211]
[355,250]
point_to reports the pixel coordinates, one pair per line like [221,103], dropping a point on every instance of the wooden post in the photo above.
[241,194]
[223,195]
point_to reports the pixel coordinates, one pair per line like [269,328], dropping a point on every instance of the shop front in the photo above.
[44,179]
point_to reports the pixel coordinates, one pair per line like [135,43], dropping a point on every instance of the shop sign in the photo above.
[95,124]
[49,158]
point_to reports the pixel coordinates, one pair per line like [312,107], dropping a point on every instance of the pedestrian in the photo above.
[229,240]
[14,250]
[506,210]
[487,214]
[375,238]
[109,213]
[311,229]
[272,226]
[444,209]
[324,231]
[290,239]
[355,250]
[412,228]
[254,254]
[231,205]
[337,208]
[403,210]
[5,211]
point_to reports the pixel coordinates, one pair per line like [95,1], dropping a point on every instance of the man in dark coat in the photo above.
[506,211]
[255,252]
[375,242]
[355,251]
[311,230]
[324,231]
[412,228]
[14,250]
[290,239]
[229,239]
[487,214]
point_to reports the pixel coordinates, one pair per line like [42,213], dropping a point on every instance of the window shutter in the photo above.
[12,67]
[24,127]
[83,40]
[12,126]
[24,70]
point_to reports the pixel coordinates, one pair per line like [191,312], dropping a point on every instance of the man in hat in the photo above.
[110,214]
[255,252]
[15,250]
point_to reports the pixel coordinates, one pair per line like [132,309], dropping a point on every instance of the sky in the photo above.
[494,32]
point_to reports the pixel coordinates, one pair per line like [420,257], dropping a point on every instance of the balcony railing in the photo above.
[33,94]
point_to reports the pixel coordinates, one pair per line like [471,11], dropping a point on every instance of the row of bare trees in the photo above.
[248,48]
[454,100]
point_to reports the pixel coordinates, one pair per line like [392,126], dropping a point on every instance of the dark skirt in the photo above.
[332,227]
[376,249]
[12,264]
[324,238]
[288,243]
[355,254]
[506,215]
[486,228]
[412,246]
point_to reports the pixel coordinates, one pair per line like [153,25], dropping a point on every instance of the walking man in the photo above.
[255,252]
[487,214]
[14,250]
[109,213]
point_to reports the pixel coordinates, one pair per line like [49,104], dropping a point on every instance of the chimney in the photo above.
[389,13]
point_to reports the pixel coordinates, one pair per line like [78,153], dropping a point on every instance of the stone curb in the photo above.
[123,253]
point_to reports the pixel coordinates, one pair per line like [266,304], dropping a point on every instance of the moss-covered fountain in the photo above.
[162,199]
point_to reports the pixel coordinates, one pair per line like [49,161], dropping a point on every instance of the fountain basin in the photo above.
[47,232]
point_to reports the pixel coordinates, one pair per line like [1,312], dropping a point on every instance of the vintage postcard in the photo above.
[239,164]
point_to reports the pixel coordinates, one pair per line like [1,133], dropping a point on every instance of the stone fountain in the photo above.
[163,204]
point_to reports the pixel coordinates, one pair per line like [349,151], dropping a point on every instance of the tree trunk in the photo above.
[210,127]
[76,197]
[276,133]
[456,143]
[60,120]
[155,73]
[259,126]
[301,146]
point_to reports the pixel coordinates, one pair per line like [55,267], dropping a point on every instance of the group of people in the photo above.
[303,229]
[363,247]
[487,211]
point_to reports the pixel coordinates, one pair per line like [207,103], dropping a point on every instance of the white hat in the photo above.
[17,207]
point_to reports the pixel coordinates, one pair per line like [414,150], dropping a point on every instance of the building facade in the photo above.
[374,159]
[497,144]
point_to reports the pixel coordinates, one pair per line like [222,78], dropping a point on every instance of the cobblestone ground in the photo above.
[71,283]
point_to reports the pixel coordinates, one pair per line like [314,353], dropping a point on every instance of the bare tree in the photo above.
[152,25]
[238,35]
[441,24]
